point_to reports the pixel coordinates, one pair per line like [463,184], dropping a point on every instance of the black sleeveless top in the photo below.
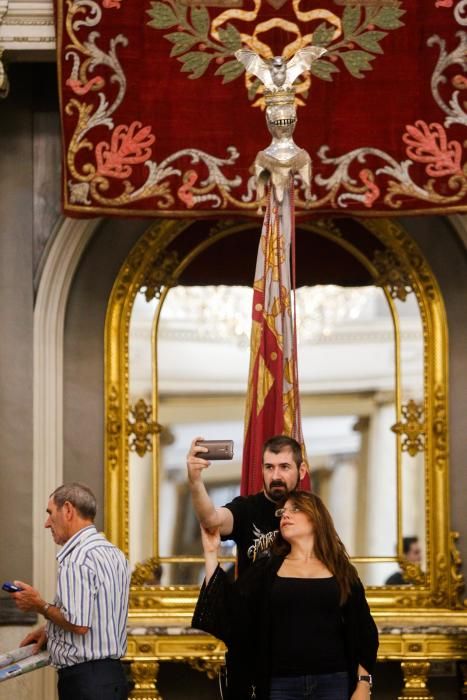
[307,634]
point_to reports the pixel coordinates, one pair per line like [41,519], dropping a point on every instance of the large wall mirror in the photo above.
[373,376]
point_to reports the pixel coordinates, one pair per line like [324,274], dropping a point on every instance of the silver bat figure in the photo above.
[278,73]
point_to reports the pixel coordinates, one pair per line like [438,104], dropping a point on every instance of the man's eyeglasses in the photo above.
[282,511]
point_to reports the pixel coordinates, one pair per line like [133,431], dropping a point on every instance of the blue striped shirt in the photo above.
[92,591]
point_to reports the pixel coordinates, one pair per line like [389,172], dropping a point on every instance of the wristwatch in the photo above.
[45,608]
[368,679]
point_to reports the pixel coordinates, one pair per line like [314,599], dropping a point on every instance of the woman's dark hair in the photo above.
[328,546]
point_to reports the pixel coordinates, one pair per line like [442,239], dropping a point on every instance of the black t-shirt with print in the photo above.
[254,526]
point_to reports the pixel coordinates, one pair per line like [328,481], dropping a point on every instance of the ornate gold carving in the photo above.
[413,428]
[127,275]
[147,572]
[412,572]
[114,427]
[160,274]
[440,427]
[457,579]
[141,428]
[395,238]
[417,262]
[210,667]
[415,681]
[144,674]
[392,274]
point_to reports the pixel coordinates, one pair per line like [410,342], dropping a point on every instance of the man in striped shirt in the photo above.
[86,623]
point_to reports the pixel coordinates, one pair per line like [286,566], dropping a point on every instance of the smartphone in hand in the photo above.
[10,587]
[217,449]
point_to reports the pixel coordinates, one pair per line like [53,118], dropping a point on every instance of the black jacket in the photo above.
[239,615]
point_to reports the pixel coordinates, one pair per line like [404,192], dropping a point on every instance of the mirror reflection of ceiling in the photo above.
[211,326]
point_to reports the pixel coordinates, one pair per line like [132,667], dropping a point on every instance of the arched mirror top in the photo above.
[373,369]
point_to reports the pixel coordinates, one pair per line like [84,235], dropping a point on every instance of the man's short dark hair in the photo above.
[283,442]
[79,495]
[407,542]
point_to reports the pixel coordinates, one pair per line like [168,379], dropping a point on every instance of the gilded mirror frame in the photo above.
[398,268]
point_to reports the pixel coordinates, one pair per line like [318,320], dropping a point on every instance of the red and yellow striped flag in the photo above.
[273,405]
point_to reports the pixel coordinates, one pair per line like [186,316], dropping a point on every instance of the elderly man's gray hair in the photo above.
[79,495]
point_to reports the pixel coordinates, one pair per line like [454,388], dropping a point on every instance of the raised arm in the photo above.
[208,515]
[211,540]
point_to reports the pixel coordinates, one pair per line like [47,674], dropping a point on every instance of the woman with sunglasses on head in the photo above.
[296,624]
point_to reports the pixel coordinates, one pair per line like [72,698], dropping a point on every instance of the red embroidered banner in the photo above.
[159,119]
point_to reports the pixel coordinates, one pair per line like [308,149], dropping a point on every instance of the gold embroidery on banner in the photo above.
[265,382]
[211,3]
[254,350]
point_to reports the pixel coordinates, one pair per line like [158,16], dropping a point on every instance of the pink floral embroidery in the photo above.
[110,4]
[443,3]
[129,145]
[373,192]
[429,144]
[184,192]
[80,89]
[460,82]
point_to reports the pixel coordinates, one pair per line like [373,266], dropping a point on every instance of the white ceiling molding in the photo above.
[26,25]
[27,32]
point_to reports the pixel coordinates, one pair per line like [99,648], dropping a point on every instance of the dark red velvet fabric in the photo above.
[150,134]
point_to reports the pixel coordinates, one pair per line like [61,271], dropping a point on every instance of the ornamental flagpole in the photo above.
[273,401]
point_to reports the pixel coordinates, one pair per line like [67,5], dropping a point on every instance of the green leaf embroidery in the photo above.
[181,42]
[323,34]
[370,41]
[351,19]
[357,61]
[253,88]
[195,62]
[230,37]
[388,18]
[163,16]
[230,70]
[323,69]
[201,21]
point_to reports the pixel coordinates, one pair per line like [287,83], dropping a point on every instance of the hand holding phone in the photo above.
[217,449]
[10,587]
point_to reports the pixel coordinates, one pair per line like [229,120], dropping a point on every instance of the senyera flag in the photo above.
[273,401]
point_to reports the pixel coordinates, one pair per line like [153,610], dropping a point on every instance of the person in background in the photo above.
[297,624]
[413,554]
[249,520]
[86,621]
